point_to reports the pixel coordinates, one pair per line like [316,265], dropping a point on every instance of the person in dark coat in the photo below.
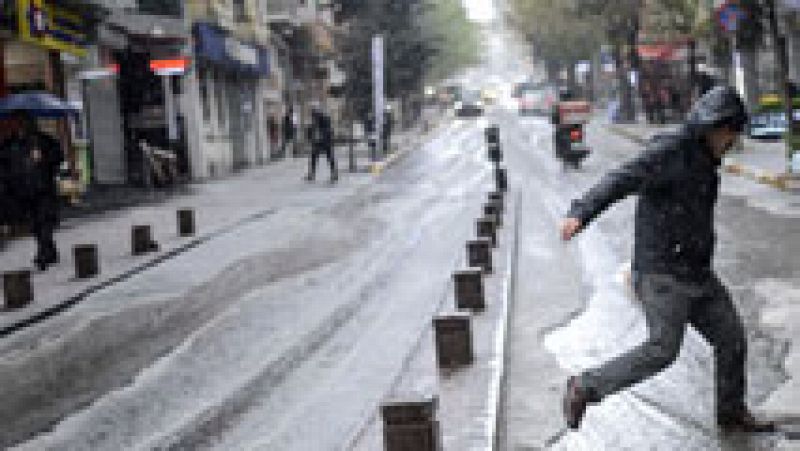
[676,180]
[289,131]
[321,138]
[30,165]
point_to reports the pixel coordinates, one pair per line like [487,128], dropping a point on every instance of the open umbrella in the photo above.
[37,104]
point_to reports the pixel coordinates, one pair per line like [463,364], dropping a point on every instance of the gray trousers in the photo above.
[669,305]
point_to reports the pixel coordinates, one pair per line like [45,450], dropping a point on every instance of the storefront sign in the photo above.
[169,66]
[51,27]
[243,53]
[215,46]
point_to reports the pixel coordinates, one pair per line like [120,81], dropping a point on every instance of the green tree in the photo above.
[423,39]
[558,37]
[454,39]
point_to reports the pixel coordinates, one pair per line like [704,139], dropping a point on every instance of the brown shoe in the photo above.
[576,400]
[746,423]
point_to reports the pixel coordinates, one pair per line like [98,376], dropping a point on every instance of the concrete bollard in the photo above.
[496,197]
[17,289]
[493,134]
[411,425]
[491,210]
[487,228]
[86,261]
[469,291]
[453,340]
[186,225]
[142,240]
[479,254]
[501,179]
[495,153]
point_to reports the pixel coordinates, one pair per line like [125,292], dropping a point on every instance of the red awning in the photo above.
[663,52]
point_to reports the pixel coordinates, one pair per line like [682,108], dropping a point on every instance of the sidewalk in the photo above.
[220,205]
[761,161]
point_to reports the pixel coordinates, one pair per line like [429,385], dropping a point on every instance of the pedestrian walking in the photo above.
[321,137]
[676,179]
[372,144]
[273,134]
[29,164]
[289,131]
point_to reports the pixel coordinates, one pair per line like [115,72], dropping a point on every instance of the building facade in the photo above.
[225,88]
[43,46]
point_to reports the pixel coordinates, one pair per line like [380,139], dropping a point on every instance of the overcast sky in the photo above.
[480,10]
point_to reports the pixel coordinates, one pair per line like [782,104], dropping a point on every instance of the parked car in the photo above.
[768,125]
[470,104]
[537,100]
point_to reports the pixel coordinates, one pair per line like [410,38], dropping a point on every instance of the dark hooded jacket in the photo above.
[25,185]
[677,182]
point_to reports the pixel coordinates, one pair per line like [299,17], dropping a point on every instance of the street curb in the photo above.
[778,181]
[40,316]
[378,167]
[498,382]
[781,182]
[489,421]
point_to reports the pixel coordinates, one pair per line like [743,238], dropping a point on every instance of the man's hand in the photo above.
[570,228]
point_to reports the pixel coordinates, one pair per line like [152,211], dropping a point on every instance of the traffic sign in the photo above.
[730,15]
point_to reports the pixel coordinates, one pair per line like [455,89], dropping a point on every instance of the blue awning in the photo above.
[214,45]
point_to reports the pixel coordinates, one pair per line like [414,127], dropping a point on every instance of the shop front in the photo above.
[41,45]
[226,87]
[131,86]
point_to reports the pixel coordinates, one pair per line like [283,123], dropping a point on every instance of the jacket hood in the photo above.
[720,105]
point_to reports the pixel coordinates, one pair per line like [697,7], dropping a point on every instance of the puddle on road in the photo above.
[674,410]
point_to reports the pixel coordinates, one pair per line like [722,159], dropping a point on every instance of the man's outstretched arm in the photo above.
[648,168]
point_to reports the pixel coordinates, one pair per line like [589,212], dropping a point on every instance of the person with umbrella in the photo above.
[29,162]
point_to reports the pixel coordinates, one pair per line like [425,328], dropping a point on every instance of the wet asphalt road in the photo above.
[282,334]
[258,342]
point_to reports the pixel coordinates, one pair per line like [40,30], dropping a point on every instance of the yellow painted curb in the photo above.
[778,181]
[380,166]
[377,168]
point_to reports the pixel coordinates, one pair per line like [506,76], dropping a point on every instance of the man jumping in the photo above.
[677,183]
